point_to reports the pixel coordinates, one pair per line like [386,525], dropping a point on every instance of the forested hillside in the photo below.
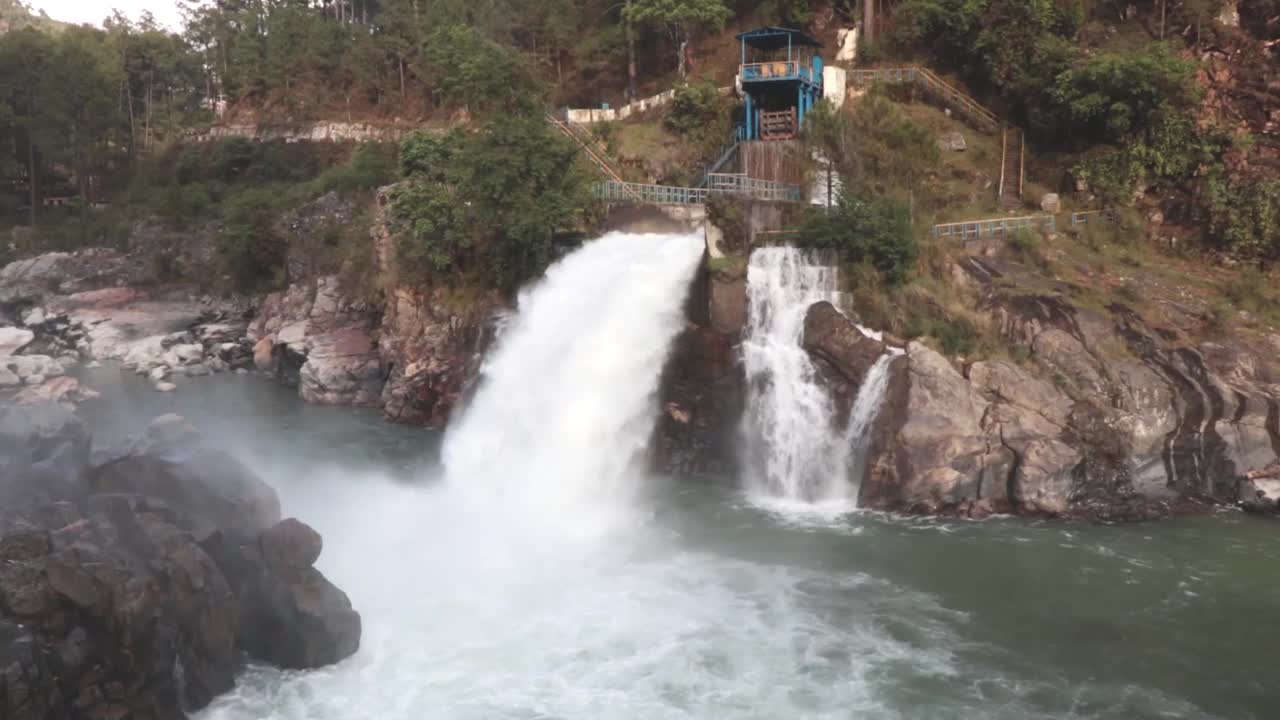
[1173,99]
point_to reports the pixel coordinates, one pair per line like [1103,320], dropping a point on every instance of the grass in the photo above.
[959,193]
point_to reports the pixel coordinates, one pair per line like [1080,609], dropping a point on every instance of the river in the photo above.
[706,606]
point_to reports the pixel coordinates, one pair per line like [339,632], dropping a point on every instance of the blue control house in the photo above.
[781,76]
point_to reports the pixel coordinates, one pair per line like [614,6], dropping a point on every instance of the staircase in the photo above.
[1012,148]
[587,147]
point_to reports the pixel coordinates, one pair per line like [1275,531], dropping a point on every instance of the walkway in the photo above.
[716,184]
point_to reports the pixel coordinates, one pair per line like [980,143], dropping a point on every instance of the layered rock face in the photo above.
[1103,416]
[1109,418]
[317,336]
[134,587]
[703,389]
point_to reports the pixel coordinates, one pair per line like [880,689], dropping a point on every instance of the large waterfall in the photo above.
[796,450]
[566,403]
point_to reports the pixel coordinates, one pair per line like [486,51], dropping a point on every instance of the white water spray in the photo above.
[797,451]
[567,400]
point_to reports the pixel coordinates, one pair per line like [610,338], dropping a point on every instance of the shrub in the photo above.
[503,199]
[701,115]
[371,166]
[877,231]
[1244,216]
[251,249]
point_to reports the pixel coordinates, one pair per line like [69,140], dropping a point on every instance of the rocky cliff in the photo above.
[343,338]
[1096,412]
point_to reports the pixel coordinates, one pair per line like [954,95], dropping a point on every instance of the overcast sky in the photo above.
[95,11]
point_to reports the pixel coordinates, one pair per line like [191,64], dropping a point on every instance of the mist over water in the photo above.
[521,570]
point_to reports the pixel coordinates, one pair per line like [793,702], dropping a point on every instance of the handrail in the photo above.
[600,163]
[993,226]
[673,195]
[926,77]
[729,149]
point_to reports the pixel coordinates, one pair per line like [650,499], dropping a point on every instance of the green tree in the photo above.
[1110,96]
[480,74]
[681,19]
[863,229]
[25,58]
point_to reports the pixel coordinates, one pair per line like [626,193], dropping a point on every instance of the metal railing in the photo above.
[1087,216]
[763,189]
[780,70]
[600,162]
[719,184]
[994,226]
[932,83]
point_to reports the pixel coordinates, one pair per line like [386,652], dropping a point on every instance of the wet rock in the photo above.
[44,453]
[830,335]
[172,462]
[290,544]
[165,387]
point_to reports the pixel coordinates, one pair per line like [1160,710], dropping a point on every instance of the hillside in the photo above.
[15,15]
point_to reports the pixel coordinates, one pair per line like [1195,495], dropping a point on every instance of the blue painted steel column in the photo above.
[751,116]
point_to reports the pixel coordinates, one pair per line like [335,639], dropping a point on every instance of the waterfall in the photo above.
[795,449]
[568,398]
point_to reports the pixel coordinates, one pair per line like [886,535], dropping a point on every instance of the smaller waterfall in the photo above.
[796,449]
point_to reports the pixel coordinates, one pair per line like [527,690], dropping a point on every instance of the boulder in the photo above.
[291,615]
[1051,203]
[129,610]
[953,141]
[60,390]
[290,544]
[171,461]
[264,355]
[13,339]
[342,368]
[831,336]
[44,453]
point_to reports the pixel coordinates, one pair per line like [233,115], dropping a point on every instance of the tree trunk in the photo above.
[682,68]
[133,130]
[1164,5]
[401,78]
[31,166]
[868,21]
[633,84]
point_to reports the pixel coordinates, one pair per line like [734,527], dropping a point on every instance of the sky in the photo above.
[95,11]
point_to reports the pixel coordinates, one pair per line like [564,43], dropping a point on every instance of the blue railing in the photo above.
[717,184]
[781,70]
[994,226]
